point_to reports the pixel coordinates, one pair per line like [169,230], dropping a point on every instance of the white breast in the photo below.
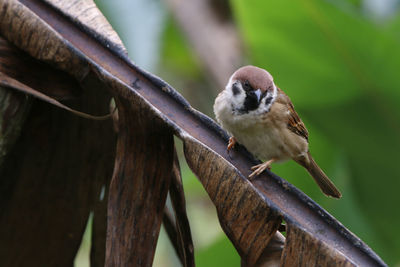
[262,137]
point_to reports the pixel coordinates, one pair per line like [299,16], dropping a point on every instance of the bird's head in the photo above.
[251,89]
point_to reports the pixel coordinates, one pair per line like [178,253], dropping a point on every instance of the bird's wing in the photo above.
[294,122]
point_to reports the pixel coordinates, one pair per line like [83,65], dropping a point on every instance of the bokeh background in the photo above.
[339,61]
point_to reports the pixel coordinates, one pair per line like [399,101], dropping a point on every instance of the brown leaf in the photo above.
[184,236]
[244,216]
[10,83]
[36,74]
[303,249]
[139,186]
[51,180]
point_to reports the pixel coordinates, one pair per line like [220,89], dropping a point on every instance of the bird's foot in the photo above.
[258,169]
[231,144]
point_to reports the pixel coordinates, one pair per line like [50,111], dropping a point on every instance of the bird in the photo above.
[261,117]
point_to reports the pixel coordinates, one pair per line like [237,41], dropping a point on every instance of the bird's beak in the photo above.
[258,94]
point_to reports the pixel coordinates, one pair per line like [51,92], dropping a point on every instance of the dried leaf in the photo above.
[10,83]
[51,180]
[184,236]
[139,186]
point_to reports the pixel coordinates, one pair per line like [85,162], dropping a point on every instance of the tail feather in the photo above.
[320,177]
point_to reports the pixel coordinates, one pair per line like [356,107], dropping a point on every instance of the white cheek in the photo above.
[238,99]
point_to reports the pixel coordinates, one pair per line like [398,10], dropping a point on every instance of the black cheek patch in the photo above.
[235,89]
[268,100]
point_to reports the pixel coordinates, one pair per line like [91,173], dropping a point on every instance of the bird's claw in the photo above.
[231,144]
[258,169]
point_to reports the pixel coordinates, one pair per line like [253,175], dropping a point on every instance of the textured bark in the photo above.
[149,112]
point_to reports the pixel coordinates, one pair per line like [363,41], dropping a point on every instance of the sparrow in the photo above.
[260,116]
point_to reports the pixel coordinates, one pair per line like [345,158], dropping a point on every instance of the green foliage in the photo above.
[219,253]
[341,72]
[177,56]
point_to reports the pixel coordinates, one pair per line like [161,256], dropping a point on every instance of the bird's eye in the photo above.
[246,85]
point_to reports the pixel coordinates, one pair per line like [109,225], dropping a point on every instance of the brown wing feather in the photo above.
[294,123]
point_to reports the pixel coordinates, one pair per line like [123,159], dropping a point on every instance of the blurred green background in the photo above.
[339,61]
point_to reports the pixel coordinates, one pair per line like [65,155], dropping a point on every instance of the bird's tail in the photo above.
[320,177]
